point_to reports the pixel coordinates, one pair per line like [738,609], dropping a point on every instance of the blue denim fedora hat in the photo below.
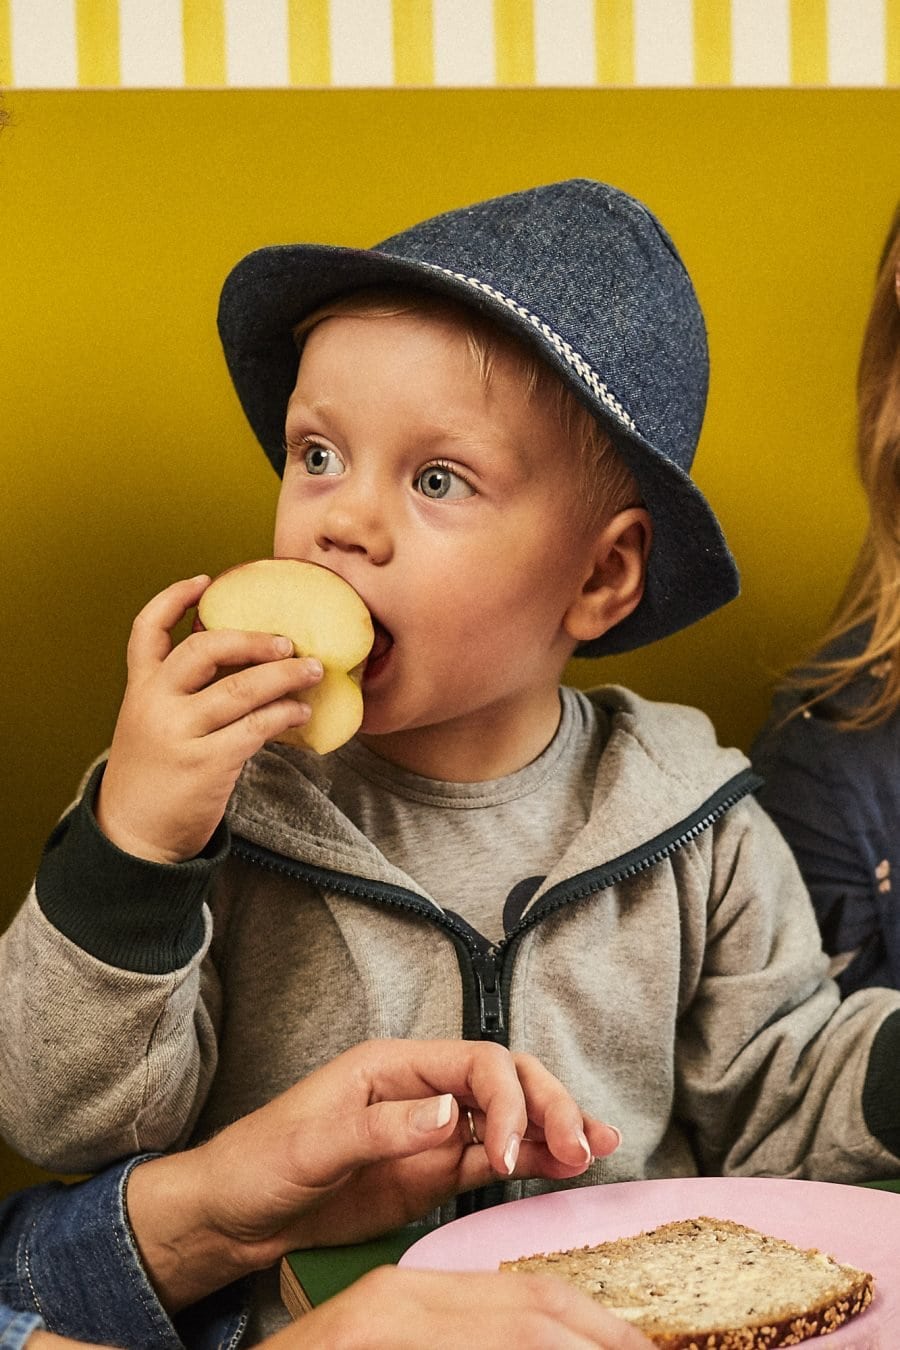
[586,276]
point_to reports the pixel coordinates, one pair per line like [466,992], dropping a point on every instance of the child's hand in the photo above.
[191,717]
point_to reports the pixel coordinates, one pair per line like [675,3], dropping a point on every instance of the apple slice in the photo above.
[322,615]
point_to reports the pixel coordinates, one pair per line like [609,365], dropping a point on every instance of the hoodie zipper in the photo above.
[490,969]
[488,972]
[484,971]
[655,851]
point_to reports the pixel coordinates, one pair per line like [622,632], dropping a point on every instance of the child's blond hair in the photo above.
[872,594]
[607,485]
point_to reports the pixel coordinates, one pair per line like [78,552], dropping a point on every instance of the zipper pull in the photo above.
[490,1004]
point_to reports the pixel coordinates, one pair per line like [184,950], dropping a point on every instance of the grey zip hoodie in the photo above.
[668,970]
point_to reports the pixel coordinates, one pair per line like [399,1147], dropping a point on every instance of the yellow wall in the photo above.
[125,459]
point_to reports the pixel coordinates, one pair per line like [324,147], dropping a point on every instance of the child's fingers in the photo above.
[238,740]
[205,657]
[150,639]
[255,696]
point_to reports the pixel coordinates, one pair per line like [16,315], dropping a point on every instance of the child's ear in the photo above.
[615,583]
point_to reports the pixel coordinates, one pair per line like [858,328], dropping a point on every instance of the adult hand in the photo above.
[191,717]
[391,1309]
[364,1144]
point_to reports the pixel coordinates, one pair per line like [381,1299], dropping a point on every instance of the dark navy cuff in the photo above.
[881,1091]
[81,1272]
[125,911]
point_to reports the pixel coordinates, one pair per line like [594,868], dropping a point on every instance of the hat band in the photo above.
[572,358]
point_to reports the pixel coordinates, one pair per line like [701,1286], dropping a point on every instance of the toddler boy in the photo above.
[490,436]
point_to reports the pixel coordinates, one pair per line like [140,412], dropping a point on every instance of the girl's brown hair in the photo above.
[606,482]
[872,594]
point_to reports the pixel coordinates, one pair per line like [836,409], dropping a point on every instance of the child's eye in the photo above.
[320,460]
[439,482]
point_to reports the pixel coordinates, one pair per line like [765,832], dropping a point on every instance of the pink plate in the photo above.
[852,1223]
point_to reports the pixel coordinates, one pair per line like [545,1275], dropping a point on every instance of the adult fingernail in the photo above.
[582,1139]
[433,1114]
[283,646]
[511,1156]
[314,667]
[618,1133]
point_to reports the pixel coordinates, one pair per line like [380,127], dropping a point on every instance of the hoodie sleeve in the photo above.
[778,1076]
[110,1004]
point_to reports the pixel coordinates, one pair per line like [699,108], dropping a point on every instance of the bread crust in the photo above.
[849,1290]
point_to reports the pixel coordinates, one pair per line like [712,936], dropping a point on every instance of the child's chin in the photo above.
[376,720]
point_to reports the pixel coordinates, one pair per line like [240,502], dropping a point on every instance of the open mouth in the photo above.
[381,648]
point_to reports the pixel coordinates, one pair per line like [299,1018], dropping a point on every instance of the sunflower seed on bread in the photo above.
[711,1284]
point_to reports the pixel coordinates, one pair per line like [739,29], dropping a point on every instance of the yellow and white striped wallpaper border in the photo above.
[448,43]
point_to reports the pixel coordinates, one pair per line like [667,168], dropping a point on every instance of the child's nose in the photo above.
[352,522]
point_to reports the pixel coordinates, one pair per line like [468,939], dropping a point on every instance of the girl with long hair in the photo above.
[830,752]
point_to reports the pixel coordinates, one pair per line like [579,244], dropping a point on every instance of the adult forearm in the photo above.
[51,1235]
[184,1256]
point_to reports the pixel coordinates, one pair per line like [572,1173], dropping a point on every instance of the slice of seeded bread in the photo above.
[710,1284]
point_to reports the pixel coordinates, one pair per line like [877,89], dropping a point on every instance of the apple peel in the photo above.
[322,615]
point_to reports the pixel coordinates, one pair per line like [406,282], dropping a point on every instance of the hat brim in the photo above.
[690,570]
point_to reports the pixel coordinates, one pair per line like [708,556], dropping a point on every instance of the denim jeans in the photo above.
[69,1262]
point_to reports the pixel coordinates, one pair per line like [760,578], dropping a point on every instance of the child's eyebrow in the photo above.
[300,408]
[320,410]
[317,406]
